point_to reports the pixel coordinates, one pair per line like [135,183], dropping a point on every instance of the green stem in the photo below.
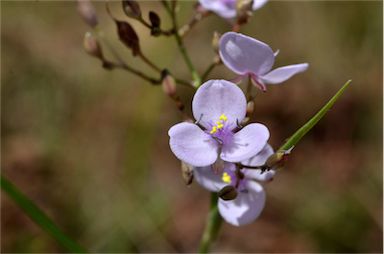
[212,227]
[39,216]
[180,44]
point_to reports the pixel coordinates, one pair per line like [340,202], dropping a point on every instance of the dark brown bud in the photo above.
[228,193]
[187,173]
[155,23]
[168,84]
[92,46]
[128,36]
[132,9]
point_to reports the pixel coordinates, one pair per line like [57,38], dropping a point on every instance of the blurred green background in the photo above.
[90,146]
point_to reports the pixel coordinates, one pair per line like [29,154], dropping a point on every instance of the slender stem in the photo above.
[183,31]
[208,70]
[212,227]
[149,62]
[180,44]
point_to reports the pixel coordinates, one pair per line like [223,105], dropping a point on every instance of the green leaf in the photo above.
[295,138]
[39,216]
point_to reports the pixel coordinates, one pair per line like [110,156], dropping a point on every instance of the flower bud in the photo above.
[187,173]
[92,46]
[87,12]
[132,9]
[250,107]
[243,10]
[128,36]
[168,84]
[215,41]
[228,193]
[278,159]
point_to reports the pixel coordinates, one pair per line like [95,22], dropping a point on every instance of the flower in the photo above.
[227,8]
[218,106]
[250,201]
[247,56]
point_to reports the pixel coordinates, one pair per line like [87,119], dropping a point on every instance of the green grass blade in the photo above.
[295,138]
[39,216]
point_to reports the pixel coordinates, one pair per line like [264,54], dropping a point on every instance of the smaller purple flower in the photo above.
[250,201]
[247,56]
[227,8]
[218,106]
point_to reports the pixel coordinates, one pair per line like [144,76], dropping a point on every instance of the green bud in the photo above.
[228,193]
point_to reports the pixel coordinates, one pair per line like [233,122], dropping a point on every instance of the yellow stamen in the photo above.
[214,130]
[226,178]
[223,117]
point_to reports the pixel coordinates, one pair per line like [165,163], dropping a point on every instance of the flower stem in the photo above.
[180,44]
[212,227]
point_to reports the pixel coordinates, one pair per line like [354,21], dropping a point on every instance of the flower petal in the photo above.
[258,160]
[192,145]
[207,178]
[283,73]
[257,4]
[243,54]
[245,208]
[217,97]
[226,11]
[246,143]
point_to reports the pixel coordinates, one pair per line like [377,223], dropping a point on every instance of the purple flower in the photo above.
[227,8]
[249,57]
[250,201]
[218,106]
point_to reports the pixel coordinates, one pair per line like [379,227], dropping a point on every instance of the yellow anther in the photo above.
[226,178]
[220,126]
[223,117]
[214,130]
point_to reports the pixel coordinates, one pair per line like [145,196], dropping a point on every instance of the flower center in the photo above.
[221,130]
[230,177]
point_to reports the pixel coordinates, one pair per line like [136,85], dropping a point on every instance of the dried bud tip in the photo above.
[87,12]
[187,173]
[92,46]
[132,9]
[228,193]
[215,41]
[168,84]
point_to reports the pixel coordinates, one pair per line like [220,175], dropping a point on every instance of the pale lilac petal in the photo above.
[217,97]
[246,143]
[259,160]
[257,4]
[209,179]
[192,145]
[243,54]
[221,8]
[283,73]
[245,208]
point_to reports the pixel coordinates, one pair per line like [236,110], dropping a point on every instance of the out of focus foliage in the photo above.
[90,146]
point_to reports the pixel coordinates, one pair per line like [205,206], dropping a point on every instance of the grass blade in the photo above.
[38,216]
[295,138]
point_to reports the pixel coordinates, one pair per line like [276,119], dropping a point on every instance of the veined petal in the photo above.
[226,11]
[217,97]
[209,179]
[243,54]
[258,160]
[246,143]
[281,74]
[192,145]
[257,4]
[246,207]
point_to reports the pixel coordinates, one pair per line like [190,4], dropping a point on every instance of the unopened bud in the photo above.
[215,41]
[278,159]
[132,9]
[228,193]
[187,173]
[250,107]
[243,10]
[87,12]
[92,46]
[168,84]
[128,36]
